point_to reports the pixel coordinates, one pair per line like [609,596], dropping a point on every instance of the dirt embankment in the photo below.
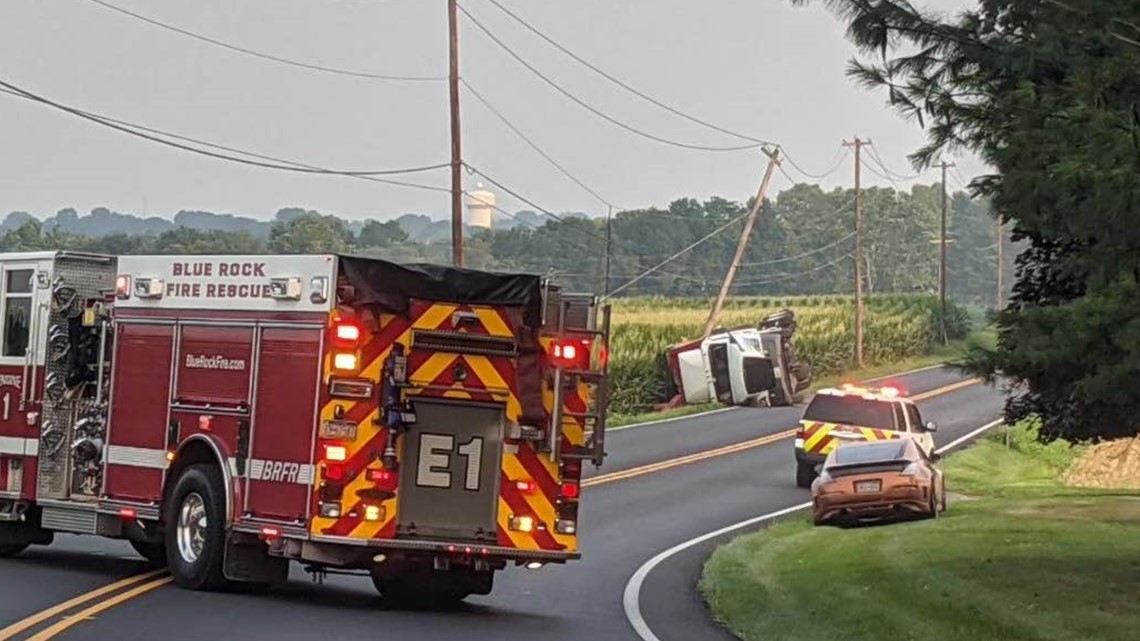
[1110,465]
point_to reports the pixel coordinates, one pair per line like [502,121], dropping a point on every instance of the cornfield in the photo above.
[897,327]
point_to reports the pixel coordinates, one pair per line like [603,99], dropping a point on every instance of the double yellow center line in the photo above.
[661,466]
[142,583]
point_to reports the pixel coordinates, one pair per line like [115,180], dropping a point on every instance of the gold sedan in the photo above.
[869,481]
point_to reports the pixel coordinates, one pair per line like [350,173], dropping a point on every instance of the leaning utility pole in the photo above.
[942,259]
[456,146]
[1000,265]
[742,244]
[858,145]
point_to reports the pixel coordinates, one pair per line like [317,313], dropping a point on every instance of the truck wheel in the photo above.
[195,529]
[154,553]
[11,549]
[805,474]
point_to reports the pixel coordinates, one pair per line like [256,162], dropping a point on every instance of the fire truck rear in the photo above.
[230,414]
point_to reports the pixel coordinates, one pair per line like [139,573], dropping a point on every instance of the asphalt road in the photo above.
[623,524]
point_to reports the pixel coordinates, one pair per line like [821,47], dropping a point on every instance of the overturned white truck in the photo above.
[742,366]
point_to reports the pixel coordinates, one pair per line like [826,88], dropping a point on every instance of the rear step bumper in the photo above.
[444,547]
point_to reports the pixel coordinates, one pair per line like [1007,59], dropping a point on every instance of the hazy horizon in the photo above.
[758,66]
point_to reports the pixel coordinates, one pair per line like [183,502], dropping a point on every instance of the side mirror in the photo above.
[931,426]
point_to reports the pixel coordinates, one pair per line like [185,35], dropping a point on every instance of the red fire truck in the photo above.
[229,414]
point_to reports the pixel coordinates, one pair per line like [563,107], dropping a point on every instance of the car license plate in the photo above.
[865,487]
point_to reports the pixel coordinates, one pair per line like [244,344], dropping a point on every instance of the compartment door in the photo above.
[23,317]
[449,478]
[279,470]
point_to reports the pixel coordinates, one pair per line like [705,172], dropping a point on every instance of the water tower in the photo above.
[480,207]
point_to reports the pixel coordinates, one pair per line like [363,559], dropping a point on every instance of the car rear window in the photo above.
[851,410]
[870,453]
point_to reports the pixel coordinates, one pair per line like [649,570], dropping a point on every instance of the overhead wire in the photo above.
[279,164]
[836,163]
[636,92]
[786,277]
[585,105]
[874,154]
[533,145]
[258,54]
[813,252]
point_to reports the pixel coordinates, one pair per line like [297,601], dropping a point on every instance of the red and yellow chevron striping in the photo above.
[821,438]
[489,378]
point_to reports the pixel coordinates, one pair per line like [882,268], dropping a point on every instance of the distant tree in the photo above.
[310,233]
[381,234]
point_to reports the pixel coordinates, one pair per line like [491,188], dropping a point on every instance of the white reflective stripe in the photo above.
[280,471]
[19,446]
[150,458]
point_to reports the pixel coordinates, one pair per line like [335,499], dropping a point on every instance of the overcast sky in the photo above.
[758,66]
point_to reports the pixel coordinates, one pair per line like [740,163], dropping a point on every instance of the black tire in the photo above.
[154,553]
[805,474]
[11,549]
[199,492]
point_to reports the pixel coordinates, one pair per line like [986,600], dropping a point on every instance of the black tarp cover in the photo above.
[391,286]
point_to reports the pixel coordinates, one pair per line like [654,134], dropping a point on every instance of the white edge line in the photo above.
[632,596]
[720,410]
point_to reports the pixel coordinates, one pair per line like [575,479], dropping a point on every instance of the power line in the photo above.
[623,85]
[786,277]
[524,199]
[788,259]
[534,145]
[837,162]
[682,252]
[610,119]
[879,161]
[258,54]
[275,163]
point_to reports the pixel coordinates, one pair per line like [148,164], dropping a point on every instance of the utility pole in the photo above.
[858,145]
[1000,265]
[942,259]
[456,138]
[742,244]
[609,245]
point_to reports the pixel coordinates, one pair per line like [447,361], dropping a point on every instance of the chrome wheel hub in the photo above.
[191,528]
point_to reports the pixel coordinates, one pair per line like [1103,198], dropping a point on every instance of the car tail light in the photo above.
[915,470]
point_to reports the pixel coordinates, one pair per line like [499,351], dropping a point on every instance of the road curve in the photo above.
[624,523]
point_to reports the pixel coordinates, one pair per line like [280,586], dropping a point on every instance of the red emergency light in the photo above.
[347,332]
[570,354]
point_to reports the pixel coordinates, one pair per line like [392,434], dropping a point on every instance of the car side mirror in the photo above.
[931,426]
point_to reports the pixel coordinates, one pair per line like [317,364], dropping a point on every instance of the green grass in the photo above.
[1025,558]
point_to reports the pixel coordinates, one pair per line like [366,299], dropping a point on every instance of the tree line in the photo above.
[802,244]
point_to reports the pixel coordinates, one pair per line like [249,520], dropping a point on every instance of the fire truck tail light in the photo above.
[565,527]
[571,490]
[344,361]
[270,533]
[334,472]
[336,452]
[374,513]
[522,523]
[526,487]
[123,286]
[330,510]
[127,514]
[570,354]
[347,333]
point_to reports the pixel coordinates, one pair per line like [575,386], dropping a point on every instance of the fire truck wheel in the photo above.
[195,534]
[11,549]
[154,553]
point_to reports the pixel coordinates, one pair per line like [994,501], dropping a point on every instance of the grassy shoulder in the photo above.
[941,354]
[1024,558]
